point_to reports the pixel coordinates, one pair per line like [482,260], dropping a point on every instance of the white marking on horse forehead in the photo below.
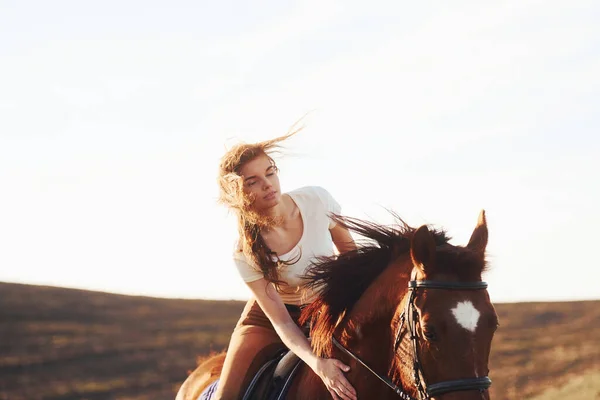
[466,315]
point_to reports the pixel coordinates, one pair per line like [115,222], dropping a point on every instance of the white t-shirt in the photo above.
[315,205]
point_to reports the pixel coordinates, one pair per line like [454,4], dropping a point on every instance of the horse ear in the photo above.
[422,249]
[479,237]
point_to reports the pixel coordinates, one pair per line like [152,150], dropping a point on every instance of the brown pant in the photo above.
[253,342]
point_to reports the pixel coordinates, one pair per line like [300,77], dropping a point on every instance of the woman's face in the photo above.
[261,182]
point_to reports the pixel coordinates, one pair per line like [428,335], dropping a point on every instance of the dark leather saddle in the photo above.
[274,378]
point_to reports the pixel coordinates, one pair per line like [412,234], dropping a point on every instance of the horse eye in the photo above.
[429,334]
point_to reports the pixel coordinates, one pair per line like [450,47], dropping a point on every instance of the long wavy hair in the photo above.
[250,221]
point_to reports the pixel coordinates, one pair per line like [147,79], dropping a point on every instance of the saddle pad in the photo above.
[208,393]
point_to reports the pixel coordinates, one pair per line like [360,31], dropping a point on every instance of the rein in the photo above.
[384,379]
[425,391]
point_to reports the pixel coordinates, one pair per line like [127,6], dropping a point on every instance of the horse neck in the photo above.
[386,292]
[372,327]
[372,341]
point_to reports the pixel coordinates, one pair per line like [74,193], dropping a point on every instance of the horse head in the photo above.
[446,319]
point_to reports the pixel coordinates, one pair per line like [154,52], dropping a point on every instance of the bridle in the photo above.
[410,315]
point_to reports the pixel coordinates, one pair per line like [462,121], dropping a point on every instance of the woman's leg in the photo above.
[253,342]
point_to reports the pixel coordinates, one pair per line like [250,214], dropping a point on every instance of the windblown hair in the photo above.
[250,222]
[342,280]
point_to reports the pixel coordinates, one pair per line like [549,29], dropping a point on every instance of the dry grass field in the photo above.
[543,346]
[66,344]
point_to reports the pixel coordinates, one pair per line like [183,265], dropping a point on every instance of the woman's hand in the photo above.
[330,371]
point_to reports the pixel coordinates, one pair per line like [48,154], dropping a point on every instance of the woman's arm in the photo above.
[329,370]
[342,239]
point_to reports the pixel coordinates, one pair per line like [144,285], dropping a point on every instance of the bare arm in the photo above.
[291,335]
[342,239]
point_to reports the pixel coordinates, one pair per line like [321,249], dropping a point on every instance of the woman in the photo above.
[279,235]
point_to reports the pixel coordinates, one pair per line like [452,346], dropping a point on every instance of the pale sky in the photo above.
[114,114]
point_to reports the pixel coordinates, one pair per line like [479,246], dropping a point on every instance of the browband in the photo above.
[447,285]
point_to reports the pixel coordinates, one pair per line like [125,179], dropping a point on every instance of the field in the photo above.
[66,344]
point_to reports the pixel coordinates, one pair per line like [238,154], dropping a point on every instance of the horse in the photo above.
[407,311]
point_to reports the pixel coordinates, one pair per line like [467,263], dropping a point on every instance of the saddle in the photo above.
[273,379]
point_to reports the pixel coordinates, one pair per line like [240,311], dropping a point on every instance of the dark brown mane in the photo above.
[341,280]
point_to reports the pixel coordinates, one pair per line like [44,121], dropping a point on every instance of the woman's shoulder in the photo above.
[316,196]
[246,269]
[310,192]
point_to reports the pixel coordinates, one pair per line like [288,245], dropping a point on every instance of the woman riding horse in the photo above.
[280,234]
[407,312]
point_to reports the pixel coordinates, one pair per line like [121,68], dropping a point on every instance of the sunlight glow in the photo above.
[112,126]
